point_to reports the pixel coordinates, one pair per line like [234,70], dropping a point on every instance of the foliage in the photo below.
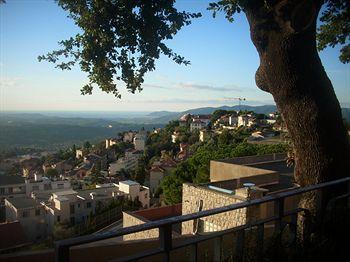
[51,172]
[120,147]
[335,28]
[217,114]
[139,174]
[196,169]
[87,145]
[157,142]
[119,40]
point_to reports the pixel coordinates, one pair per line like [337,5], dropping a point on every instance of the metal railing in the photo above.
[62,248]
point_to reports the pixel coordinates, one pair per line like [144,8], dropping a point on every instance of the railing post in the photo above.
[61,253]
[348,192]
[193,252]
[240,245]
[279,211]
[260,239]
[217,249]
[165,237]
[294,227]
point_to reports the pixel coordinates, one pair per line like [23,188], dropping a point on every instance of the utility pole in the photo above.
[240,99]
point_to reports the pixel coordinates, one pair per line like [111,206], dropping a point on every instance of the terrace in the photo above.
[214,246]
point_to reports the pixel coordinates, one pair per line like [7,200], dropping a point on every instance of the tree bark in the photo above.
[291,70]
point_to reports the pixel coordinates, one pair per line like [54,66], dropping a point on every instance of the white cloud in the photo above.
[9,81]
[194,86]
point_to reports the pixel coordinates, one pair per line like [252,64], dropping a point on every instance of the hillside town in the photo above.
[68,193]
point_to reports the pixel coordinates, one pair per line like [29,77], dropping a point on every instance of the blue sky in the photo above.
[223,64]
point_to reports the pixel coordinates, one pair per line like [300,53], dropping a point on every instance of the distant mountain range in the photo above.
[40,130]
[166,116]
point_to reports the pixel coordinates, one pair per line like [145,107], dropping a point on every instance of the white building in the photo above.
[79,153]
[135,191]
[30,214]
[11,186]
[16,186]
[110,142]
[197,124]
[175,137]
[233,120]
[242,120]
[40,184]
[75,206]
[139,141]
[129,162]
[204,135]
[271,121]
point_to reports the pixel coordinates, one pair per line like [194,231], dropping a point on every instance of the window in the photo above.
[58,218]
[2,191]
[78,205]
[17,190]
[72,220]
[25,214]
[37,212]
[88,205]
[10,190]
[72,209]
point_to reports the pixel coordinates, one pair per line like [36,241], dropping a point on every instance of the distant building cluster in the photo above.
[38,205]
[70,190]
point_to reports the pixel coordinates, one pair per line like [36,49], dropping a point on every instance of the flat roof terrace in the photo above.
[23,202]
[157,213]
[244,167]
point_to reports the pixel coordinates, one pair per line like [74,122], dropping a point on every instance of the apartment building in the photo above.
[128,162]
[110,142]
[11,186]
[40,183]
[19,187]
[30,214]
[72,206]
[197,124]
[139,141]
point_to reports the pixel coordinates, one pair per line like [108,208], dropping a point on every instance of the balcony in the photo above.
[232,244]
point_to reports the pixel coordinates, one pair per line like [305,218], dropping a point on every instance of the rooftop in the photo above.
[277,166]
[253,160]
[10,180]
[156,213]
[23,202]
[272,182]
[65,192]
[129,182]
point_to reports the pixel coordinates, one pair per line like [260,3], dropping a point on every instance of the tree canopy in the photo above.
[121,39]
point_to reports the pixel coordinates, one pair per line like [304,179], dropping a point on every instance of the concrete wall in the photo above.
[144,196]
[157,213]
[191,194]
[225,171]
[133,220]
[34,225]
[154,180]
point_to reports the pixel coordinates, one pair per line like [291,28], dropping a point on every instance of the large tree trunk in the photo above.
[291,70]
